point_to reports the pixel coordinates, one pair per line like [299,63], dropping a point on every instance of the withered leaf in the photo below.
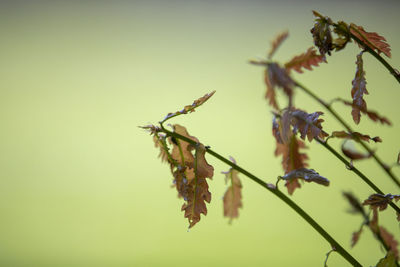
[354,203]
[292,159]
[308,175]
[390,241]
[278,77]
[371,114]
[190,108]
[380,201]
[182,151]
[270,93]
[358,90]
[371,39]
[308,124]
[233,195]
[364,137]
[305,60]
[322,35]
[353,154]
[388,261]
[159,140]
[276,43]
[197,193]
[355,237]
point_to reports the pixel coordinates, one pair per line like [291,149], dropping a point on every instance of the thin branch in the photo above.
[280,195]
[350,130]
[356,171]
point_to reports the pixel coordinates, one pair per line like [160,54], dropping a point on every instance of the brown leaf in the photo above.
[355,237]
[389,240]
[358,90]
[190,108]
[233,195]
[322,35]
[197,193]
[371,114]
[276,43]
[305,60]
[388,261]
[308,175]
[292,159]
[354,203]
[278,77]
[373,223]
[270,93]
[380,201]
[364,137]
[371,39]
[182,150]
[159,142]
[353,154]
[308,124]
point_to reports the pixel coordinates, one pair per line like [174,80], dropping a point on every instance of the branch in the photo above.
[280,195]
[356,171]
[349,129]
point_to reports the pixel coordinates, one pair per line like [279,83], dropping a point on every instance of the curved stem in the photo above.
[350,130]
[271,188]
[356,171]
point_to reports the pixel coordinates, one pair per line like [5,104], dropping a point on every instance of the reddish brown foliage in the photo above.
[305,60]
[371,39]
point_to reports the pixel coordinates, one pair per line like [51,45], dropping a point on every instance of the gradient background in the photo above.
[81,184]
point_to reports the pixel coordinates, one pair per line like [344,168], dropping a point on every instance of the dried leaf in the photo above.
[380,201]
[358,90]
[278,77]
[355,237]
[353,154]
[198,192]
[308,175]
[373,223]
[389,240]
[354,203]
[182,150]
[305,60]
[371,114]
[276,43]
[190,108]
[322,35]
[270,94]
[371,39]
[292,159]
[388,261]
[233,195]
[346,135]
[308,124]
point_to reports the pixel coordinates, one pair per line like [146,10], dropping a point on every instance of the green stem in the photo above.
[281,196]
[356,171]
[350,130]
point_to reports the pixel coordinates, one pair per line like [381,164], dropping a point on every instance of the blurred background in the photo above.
[81,184]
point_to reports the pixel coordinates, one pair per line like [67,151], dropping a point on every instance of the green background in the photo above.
[80,183]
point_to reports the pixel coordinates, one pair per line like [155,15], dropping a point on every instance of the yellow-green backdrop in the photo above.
[80,183]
